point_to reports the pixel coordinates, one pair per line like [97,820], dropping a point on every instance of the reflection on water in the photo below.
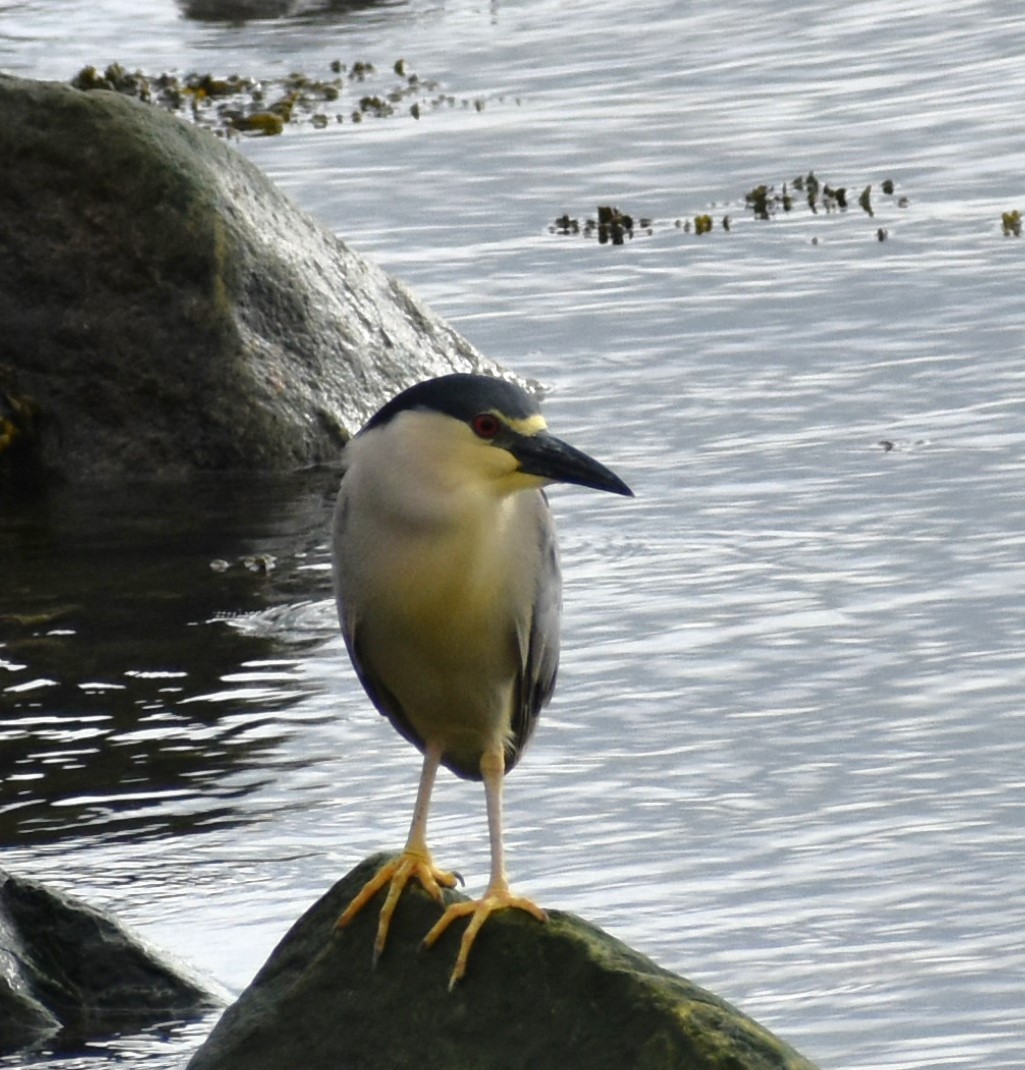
[135,702]
[786,753]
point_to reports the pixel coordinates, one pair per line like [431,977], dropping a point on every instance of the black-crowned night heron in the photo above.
[447,578]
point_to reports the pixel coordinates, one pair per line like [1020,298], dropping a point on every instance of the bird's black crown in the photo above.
[461,396]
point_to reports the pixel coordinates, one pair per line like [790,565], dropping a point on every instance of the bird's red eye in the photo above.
[486,425]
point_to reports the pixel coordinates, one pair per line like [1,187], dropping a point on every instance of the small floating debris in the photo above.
[702,224]
[834,199]
[261,564]
[764,201]
[760,200]
[1010,223]
[565,225]
[266,123]
[613,225]
[372,105]
[891,445]
[811,189]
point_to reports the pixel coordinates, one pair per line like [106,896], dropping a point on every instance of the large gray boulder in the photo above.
[69,973]
[165,308]
[563,995]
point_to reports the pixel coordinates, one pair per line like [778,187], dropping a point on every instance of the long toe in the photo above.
[478,911]
[394,876]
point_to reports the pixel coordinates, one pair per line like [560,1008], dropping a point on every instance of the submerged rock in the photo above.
[563,995]
[165,308]
[69,973]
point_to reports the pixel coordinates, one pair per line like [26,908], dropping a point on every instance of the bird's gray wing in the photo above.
[541,653]
[378,693]
[385,702]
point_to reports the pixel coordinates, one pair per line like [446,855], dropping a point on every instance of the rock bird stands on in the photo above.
[447,578]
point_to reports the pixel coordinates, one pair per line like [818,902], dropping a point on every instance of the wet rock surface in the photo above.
[167,309]
[70,973]
[562,995]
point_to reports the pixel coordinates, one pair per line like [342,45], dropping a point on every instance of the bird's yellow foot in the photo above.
[478,911]
[397,874]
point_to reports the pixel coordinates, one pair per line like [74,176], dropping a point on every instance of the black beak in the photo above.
[549,457]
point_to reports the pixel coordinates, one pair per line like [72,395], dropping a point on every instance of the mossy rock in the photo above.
[563,995]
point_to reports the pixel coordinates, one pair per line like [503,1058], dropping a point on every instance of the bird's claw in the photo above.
[396,874]
[478,911]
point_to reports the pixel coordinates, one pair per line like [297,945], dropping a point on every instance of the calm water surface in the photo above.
[787,756]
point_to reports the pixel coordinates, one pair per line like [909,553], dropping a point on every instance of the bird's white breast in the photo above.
[437,573]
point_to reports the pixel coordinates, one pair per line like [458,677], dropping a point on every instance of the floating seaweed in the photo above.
[811,189]
[834,199]
[764,201]
[238,104]
[610,227]
[820,196]
[565,225]
[613,225]
[758,200]
[1010,223]
[266,123]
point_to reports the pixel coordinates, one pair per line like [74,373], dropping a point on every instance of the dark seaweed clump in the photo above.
[610,227]
[614,226]
[243,104]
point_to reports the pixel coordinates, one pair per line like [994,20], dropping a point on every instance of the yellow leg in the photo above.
[415,861]
[498,896]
